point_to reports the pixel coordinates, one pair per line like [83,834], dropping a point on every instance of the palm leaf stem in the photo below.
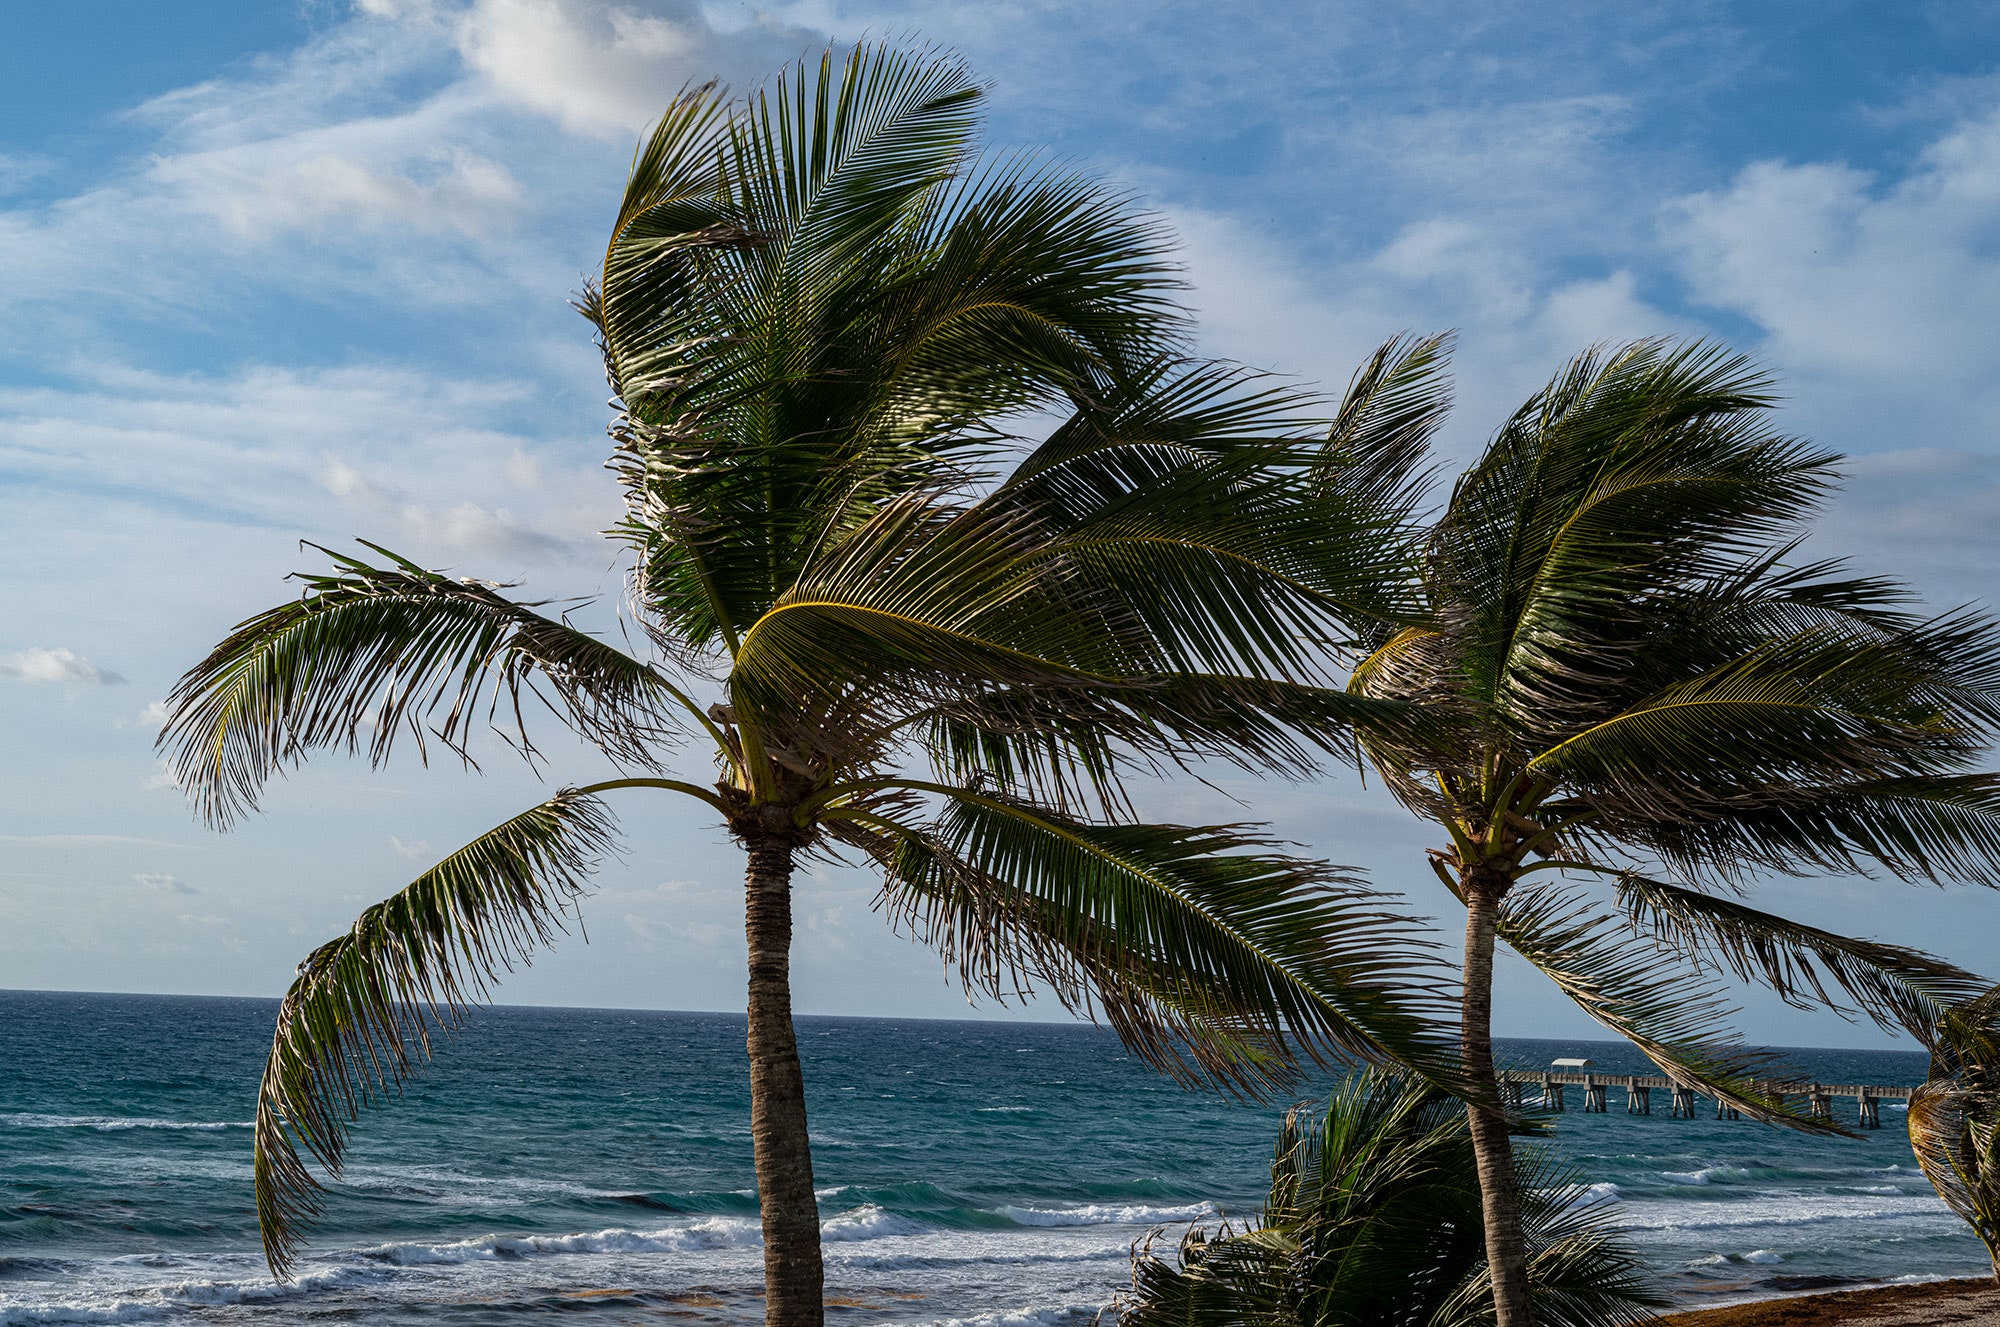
[671,785]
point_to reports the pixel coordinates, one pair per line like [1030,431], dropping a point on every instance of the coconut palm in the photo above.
[1955,1118]
[1641,701]
[1374,1217]
[901,631]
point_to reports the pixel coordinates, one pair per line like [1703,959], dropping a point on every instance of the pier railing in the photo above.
[1639,1089]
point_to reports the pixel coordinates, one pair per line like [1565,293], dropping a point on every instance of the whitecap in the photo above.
[1102,1214]
[1764,1257]
[715,1233]
[868,1222]
[1603,1193]
[1706,1175]
[1004,1110]
[205,1293]
[1033,1315]
[66,1315]
[114,1123]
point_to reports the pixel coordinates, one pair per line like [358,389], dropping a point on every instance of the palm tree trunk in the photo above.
[794,1281]
[1500,1197]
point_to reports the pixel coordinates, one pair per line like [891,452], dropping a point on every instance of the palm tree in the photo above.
[1631,683]
[824,319]
[1955,1118]
[1374,1217]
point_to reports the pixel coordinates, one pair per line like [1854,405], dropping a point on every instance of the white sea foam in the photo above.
[205,1293]
[1101,1214]
[1603,1193]
[66,1315]
[722,1232]
[1706,1175]
[868,1222]
[1795,1211]
[715,1233]
[114,1123]
[1764,1257]
[1033,1315]
[1004,1110]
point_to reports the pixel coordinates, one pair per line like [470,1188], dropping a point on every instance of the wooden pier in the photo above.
[1639,1089]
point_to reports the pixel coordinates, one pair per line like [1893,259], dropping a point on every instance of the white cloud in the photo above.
[419,851]
[1875,296]
[425,463]
[165,884]
[18,170]
[266,190]
[59,665]
[608,68]
[1895,281]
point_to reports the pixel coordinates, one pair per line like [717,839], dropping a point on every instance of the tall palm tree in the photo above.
[1374,1217]
[1955,1118]
[825,318]
[1639,702]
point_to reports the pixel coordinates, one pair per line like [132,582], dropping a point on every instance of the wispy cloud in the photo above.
[59,665]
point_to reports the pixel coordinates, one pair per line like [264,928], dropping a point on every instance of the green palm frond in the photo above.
[1213,957]
[1955,1117]
[1069,746]
[1633,470]
[1676,1016]
[359,1018]
[1819,708]
[1376,459]
[1900,989]
[1374,1217]
[380,650]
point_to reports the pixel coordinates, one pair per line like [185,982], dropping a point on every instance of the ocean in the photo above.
[593,1167]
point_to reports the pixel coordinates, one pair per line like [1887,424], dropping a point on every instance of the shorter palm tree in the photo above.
[1632,684]
[1374,1217]
[1955,1118]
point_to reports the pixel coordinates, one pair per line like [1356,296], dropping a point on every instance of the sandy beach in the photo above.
[1937,1302]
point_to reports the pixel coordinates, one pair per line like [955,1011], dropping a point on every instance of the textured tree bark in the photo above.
[794,1280]
[1500,1197]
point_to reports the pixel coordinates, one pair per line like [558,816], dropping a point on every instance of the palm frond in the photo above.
[1820,708]
[1213,957]
[369,653]
[1673,1014]
[1377,449]
[1068,746]
[1633,469]
[1900,989]
[1955,1117]
[358,1020]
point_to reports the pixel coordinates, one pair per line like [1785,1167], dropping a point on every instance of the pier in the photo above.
[1683,1101]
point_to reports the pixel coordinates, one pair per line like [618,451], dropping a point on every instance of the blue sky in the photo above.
[284,271]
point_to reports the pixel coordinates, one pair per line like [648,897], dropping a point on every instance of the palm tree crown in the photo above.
[826,320]
[1374,1217]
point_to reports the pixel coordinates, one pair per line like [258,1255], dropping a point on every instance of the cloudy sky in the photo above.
[274,270]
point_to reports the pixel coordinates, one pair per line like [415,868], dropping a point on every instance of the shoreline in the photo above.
[1961,1300]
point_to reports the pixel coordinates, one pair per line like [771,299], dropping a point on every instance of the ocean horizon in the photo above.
[564,1161]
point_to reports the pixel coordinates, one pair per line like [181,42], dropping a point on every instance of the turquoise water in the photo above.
[593,1166]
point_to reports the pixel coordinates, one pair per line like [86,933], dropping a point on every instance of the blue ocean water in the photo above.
[593,1166]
